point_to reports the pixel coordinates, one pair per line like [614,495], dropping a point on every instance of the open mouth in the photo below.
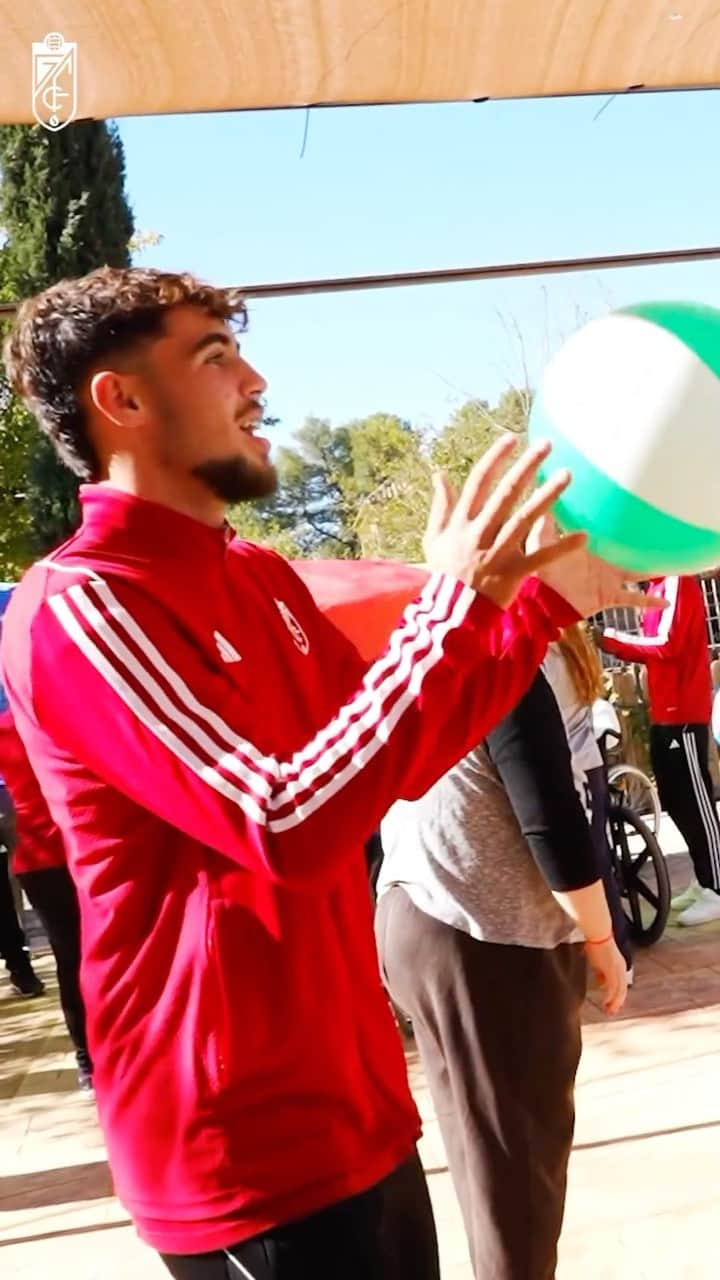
[251,427]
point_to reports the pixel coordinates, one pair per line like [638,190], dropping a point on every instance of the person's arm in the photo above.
[531,754]
[153,719]
[589,909]
[150,717]
[657,648]
[33,819]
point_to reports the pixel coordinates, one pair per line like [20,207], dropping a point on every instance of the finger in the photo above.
[508,493]
[544,531]
[479,483]
[619,992]
[654,602]
[631,576]
[441,505]
[616,1004]
[518,526]
[564,546]
[645,599]
[632,599]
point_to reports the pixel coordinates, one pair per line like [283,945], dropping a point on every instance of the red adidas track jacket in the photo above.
[39,843]
[674,646]
[215,753]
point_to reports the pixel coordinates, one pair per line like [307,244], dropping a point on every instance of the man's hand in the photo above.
[480,539]
[588,584]
[610,970]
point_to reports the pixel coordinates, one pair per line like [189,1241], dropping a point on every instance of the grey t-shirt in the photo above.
[460,853]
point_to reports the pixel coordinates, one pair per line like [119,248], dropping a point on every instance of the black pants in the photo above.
[498,1029]
[12,938]
[386,1233]
[52,894]
[600,807]
[680,761]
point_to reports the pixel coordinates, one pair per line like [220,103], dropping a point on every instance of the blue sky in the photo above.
[412,187]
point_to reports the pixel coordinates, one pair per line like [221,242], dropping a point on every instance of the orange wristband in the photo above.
[598,942]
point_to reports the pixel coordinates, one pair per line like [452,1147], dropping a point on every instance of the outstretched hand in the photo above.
[480,538]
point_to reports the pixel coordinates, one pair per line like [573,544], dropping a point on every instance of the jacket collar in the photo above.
[112,516]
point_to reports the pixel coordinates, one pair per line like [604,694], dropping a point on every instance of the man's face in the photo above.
[206,407]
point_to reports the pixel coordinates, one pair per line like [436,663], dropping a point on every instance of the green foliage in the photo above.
[390,486]
[513,410]
[251,523]
[315,492]
[63,212]
[474,428]
[52,497]
[143,240]
[468,435]
[311,507]
[16,428]
[62,203]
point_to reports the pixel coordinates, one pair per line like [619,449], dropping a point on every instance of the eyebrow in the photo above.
[210,340]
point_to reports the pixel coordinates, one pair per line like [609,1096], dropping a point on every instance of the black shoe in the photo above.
[25,982]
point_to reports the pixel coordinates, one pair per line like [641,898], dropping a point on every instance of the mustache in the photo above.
[257,406]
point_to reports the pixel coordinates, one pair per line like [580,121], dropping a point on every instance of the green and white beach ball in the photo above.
[631,403]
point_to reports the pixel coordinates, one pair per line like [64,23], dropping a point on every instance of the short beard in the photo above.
[236,479]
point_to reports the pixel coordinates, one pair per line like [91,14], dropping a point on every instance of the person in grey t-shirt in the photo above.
[487,892]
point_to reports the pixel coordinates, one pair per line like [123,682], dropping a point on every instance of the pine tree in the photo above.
[63,212]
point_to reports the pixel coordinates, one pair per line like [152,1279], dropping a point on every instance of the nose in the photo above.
[252,383]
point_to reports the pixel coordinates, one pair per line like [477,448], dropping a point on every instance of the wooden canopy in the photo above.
[142,57]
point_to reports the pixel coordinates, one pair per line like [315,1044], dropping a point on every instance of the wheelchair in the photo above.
[638,861]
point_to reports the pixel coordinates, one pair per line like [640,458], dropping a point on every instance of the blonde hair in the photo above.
[583,663]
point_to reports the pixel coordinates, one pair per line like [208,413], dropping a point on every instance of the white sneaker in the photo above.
[631,975]
[705,908]
[687,897]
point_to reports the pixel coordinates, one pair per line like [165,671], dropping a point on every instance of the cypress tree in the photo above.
[63,212]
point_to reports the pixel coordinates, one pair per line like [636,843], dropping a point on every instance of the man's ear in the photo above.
[116,396]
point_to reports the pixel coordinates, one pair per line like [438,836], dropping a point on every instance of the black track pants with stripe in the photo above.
[680,760]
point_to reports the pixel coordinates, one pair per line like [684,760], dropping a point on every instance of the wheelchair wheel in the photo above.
[642,875]
[635,790]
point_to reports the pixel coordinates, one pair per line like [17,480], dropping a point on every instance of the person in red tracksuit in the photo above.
[40,867]
[215,753]
[14,949]
[13,943]
[674,647]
